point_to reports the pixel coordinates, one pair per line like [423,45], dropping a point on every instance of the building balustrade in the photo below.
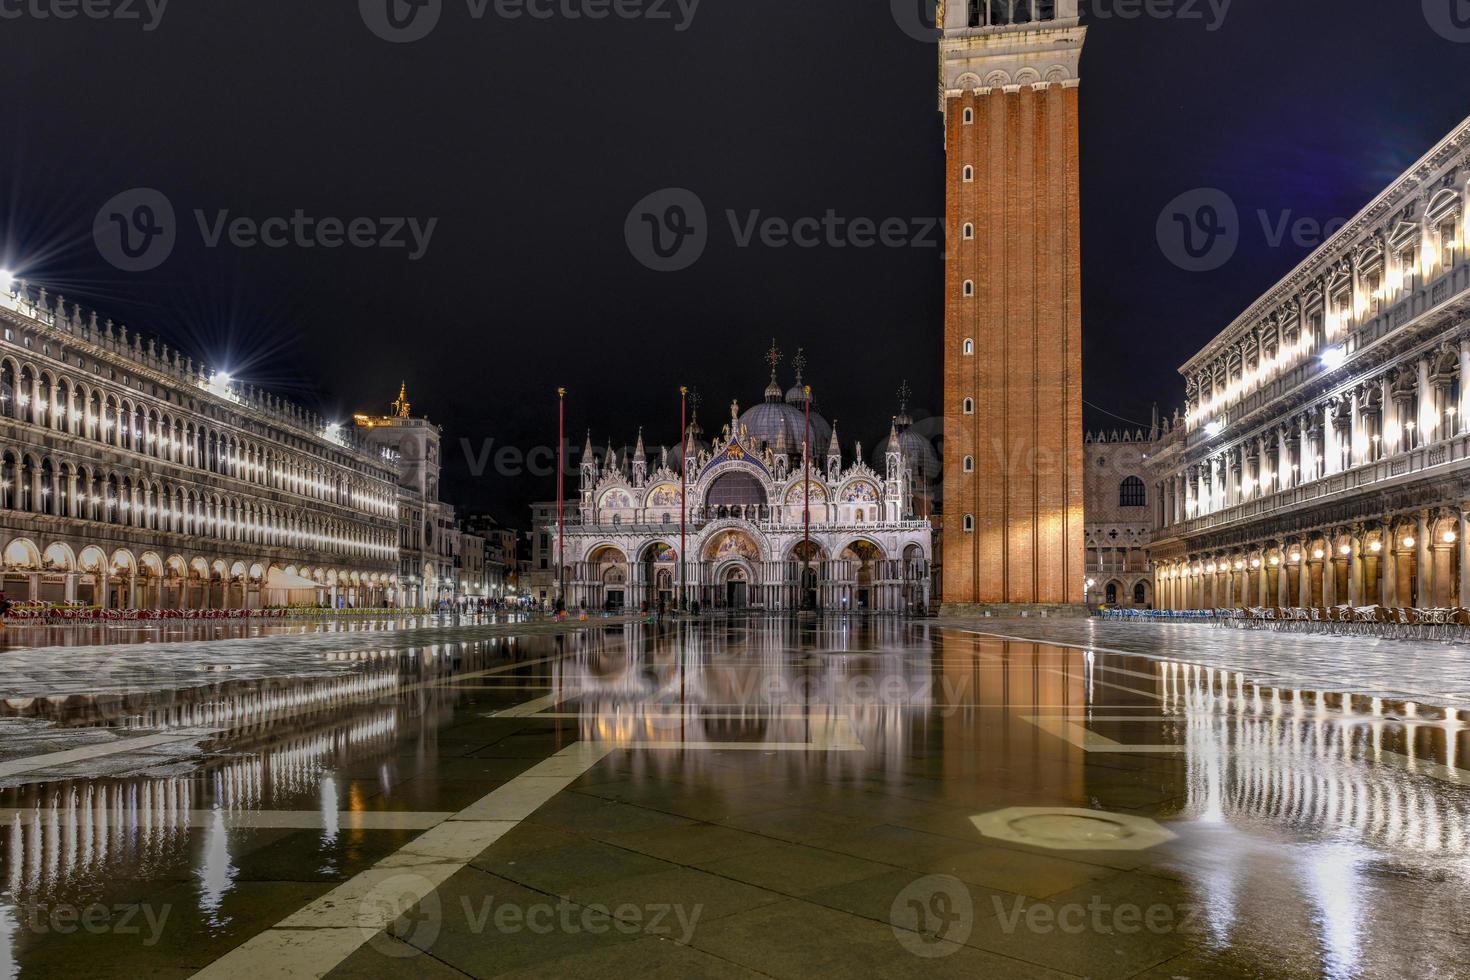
[1385,471]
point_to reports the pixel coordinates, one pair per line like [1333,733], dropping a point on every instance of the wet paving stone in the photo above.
[733,798]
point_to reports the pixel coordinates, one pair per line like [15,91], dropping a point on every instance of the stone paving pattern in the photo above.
[1436,671]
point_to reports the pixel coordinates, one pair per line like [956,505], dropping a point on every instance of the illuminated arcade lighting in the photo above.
[1333,357]
[1408,542]
[1317,554]
[1450,537]
[1346,549]
[1376,547]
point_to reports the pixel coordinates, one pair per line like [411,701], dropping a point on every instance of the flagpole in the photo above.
[561,481]
[683,493]
[806,547]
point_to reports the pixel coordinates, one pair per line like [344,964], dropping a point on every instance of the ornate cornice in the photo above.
[1344,244]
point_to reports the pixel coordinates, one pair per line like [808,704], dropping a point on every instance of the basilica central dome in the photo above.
[781,418]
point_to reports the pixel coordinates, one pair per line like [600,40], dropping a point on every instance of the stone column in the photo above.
[1355,570]
[1421,555]
[1304,577]
[1329,576]
[1262,575]
[1463,409]
[1355,431]
[1463,541]
[1283,583]
[1388,568]
[1425,416]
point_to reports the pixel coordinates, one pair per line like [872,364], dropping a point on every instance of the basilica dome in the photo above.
[780,416]
[918,450]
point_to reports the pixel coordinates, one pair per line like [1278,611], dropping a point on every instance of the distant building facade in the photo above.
[428,547]
[499,554]
[1120,510]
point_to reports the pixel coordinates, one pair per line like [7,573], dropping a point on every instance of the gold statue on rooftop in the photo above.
[400,405]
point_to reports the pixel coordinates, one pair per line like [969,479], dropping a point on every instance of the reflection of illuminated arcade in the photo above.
[1307,800]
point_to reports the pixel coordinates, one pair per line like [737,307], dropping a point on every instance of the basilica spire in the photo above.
[904,419]
[797,394]
[640,461]
[773,358]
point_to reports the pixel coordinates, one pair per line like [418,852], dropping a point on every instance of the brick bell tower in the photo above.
[1013,462]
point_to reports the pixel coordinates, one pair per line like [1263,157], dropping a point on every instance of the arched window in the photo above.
[969,348]
[969,287]
[969,116]
[968,174]
[969,464]
[976,18]
[969,524]
[1112,593]
[1133,493]
[1140,595]
[969,406]
[969,232]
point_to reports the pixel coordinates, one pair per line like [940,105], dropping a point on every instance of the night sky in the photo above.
[530,141]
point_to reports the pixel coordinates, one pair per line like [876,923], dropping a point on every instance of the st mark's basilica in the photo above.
[773,520]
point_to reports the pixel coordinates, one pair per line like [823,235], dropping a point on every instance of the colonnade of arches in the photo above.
[125,578]
[1415,561]
[96,413]
[734,573]
[38,483]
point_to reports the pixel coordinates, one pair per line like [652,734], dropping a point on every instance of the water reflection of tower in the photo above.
[986,686]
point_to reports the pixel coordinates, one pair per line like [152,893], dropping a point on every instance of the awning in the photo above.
[278,579]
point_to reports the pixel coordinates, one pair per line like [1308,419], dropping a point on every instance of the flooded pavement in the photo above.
[735,798]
